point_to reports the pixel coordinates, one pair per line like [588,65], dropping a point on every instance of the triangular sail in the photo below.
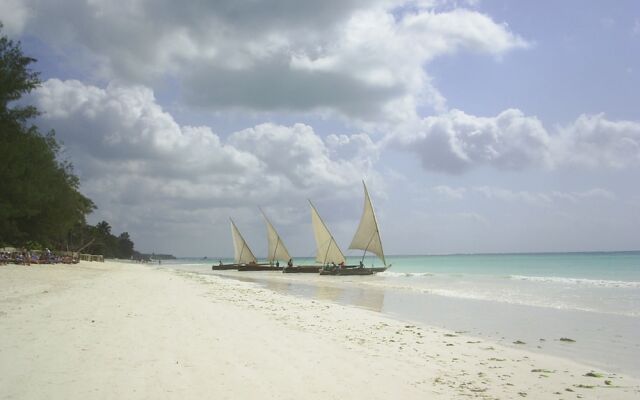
[242,252]
[367,236]
[327,250]
[277,249]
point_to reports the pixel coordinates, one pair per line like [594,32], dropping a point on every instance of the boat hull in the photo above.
[350,270]
[301,269]
[355,271]
[224,267]
[259,268]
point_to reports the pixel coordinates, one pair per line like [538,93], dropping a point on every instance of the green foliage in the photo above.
[99,240]
[125,245]
[105,243]
[16,80]
[39,202]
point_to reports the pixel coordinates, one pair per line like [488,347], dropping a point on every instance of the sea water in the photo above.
[591,298]
[599,282]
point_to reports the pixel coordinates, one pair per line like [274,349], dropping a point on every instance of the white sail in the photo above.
[327,250]
[241,250]
[367,236]
[277,249]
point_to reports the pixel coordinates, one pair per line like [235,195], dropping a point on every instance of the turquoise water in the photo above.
[596,282]
[604,266]
[593,298]
[622,266]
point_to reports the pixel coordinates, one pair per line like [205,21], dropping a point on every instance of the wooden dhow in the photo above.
[277,251]
[328,253]
[243,255]
[366,238]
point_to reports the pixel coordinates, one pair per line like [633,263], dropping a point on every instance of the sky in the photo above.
[478,126]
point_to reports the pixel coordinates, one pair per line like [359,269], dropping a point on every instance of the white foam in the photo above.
[509,299]
[392,274]
[578,281]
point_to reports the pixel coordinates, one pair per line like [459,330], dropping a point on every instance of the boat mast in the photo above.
[365,249]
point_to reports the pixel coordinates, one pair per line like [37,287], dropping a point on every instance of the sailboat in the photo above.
[366,238]
[327,250]
[277,251]
[328,253]
[242,253]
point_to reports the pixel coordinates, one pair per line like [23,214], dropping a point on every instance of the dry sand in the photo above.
[115,330]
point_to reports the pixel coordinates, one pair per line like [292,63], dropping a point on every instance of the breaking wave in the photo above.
[391,274]
[579,281]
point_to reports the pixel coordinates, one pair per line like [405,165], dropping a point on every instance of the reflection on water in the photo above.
[277,286]
[328,293]
[367,298]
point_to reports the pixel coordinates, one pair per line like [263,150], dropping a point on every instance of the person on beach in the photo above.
[26,257]
[277,263]
[290,263]
[361,264]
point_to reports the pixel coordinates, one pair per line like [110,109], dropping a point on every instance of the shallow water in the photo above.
[592,298]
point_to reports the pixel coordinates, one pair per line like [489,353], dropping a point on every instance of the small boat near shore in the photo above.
[244,258]
[300,269]
[366,238]
[277,251]
[328,252]
[329,256]
[224,267]
[259,267]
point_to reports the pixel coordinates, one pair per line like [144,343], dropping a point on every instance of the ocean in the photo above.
[593,299]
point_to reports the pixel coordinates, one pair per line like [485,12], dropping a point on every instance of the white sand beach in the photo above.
[117,330]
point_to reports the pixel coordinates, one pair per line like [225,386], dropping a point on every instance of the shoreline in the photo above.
[597,339]
[138,331]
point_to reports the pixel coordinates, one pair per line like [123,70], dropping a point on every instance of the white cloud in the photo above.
[593,141]
[455,141]
[597,193]
[15,14]
[134,159]
[447,32]
[356,58]
[471,217]
[450,192]
[525,197]
[125,146]
[302,158]
[542,198]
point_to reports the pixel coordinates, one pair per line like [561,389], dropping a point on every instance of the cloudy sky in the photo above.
[479,126]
